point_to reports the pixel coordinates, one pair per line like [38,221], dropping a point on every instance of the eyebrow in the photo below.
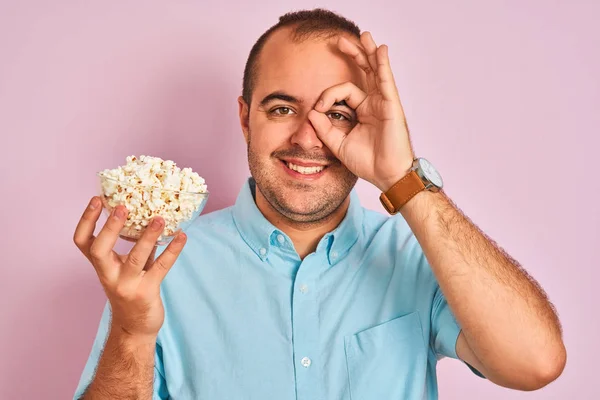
[278,95]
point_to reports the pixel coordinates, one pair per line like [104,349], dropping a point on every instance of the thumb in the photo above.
[327,133]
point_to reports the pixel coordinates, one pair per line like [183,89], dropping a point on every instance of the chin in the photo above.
[305,206]
[300,201]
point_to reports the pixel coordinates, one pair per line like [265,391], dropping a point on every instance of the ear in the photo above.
[244,112]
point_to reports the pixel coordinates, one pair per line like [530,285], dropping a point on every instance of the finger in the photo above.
[332,137]
[370,47]
[385,77]
[102,248]
[143,249]
[84,232]
[165,261]
[151,259]
[359,55]
[347,91]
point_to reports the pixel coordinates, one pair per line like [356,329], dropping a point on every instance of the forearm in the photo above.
[506,318]
[125,369]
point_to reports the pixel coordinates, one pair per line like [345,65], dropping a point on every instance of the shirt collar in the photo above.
[258,232]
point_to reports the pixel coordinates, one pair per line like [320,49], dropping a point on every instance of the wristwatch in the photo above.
[422,176]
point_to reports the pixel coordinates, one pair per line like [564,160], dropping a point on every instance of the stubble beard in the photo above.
[317,203]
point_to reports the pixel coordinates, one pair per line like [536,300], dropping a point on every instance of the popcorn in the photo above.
[149,186]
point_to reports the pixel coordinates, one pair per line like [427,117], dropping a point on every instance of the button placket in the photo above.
[305,320]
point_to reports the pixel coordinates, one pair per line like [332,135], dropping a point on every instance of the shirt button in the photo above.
[262,251]
[280,239]
[303,289]
[334,254]
[305,362]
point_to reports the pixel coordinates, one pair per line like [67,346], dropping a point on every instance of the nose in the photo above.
[306,137]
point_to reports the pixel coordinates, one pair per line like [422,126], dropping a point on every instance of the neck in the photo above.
[304,235]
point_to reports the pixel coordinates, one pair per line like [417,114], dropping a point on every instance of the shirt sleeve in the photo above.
[160,385]
[445,329]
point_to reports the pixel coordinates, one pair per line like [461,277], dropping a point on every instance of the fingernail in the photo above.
[119,212]
[95,203]
[180,237]
[156,224]
[320,103]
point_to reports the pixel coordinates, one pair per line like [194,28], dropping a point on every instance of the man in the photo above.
[296,291]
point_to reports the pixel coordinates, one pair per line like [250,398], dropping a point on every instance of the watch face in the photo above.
[430,172]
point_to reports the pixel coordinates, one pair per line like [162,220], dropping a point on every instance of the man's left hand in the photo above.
[378,148]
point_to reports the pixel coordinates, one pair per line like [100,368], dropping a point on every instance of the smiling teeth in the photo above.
[305,170]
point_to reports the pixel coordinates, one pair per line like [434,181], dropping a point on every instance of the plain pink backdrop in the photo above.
[502,96]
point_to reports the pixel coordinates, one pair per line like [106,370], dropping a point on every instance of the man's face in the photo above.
[294,171]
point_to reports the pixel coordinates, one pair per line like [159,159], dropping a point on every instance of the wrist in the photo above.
[131,342]
[385,183]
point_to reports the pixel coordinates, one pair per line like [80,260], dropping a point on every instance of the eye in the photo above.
[282,111]
[338,116]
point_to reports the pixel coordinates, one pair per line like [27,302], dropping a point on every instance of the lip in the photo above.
[298,175]
[301,163]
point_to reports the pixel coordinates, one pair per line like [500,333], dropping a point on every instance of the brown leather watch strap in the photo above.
[402,191]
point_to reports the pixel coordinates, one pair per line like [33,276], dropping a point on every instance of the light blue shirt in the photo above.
[361,318]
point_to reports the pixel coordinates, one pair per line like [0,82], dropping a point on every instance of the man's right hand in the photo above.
[132,281]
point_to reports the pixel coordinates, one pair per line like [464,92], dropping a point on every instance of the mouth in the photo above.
[303,170]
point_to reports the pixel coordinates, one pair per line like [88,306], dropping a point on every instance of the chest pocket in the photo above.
[388,361]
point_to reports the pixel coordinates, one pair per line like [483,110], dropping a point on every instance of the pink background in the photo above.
[502,96]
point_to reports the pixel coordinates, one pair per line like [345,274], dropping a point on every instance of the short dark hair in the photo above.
[306,24]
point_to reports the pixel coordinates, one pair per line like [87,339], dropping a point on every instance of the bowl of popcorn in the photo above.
[149,187]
